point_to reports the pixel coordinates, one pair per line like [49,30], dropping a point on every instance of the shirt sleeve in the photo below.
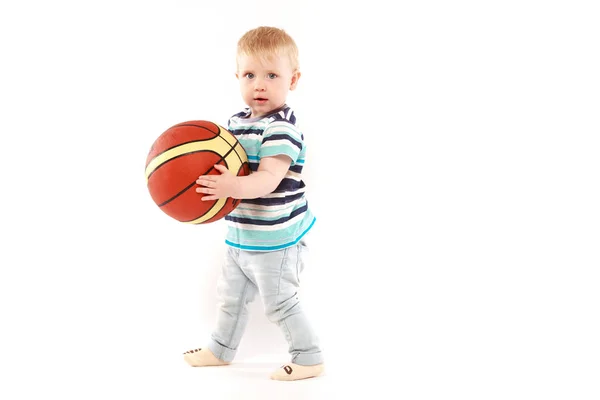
[281,138]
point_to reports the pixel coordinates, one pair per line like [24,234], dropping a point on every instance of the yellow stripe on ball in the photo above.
[218,145]
[210,213]
[234,162]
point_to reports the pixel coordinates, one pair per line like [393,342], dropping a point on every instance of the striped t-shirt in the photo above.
[279,219]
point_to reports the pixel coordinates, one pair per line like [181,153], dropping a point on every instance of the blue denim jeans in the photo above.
[274,276]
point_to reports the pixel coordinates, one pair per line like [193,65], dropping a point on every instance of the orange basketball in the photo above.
[179,156]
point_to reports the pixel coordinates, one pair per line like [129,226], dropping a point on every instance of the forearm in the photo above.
[265,180]
[257,184]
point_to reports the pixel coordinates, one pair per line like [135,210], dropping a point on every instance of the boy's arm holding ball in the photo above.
[265,180]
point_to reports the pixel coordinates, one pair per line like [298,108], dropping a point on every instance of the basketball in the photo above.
[179,156]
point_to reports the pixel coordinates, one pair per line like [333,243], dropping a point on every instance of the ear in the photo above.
[237,76]
[295,78]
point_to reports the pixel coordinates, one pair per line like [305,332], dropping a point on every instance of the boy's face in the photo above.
[264,84]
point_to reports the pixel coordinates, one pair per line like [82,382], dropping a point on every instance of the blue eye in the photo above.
[250,75]
[272,76]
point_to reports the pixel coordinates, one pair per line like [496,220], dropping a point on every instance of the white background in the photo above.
[452,165]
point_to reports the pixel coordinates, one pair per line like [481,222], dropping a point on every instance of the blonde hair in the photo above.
[266,41]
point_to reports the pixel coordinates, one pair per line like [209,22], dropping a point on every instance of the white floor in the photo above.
[72,357]
[168,380]
[250,380]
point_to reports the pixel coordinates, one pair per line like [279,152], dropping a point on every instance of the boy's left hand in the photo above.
[218,186]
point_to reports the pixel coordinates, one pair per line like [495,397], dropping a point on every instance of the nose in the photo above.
[259,85]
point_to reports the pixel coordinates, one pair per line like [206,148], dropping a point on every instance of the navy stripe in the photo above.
[294,168]
[268,223]
[241,114]
[279,136]
[273,201]
[254,167]
[292,118]
[249,131]
[288,185]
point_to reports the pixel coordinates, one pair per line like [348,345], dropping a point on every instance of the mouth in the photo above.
[260,100]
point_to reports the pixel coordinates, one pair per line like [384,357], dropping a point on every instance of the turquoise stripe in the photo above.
[281,235]
[271,248]
[292,133]
[279,150]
